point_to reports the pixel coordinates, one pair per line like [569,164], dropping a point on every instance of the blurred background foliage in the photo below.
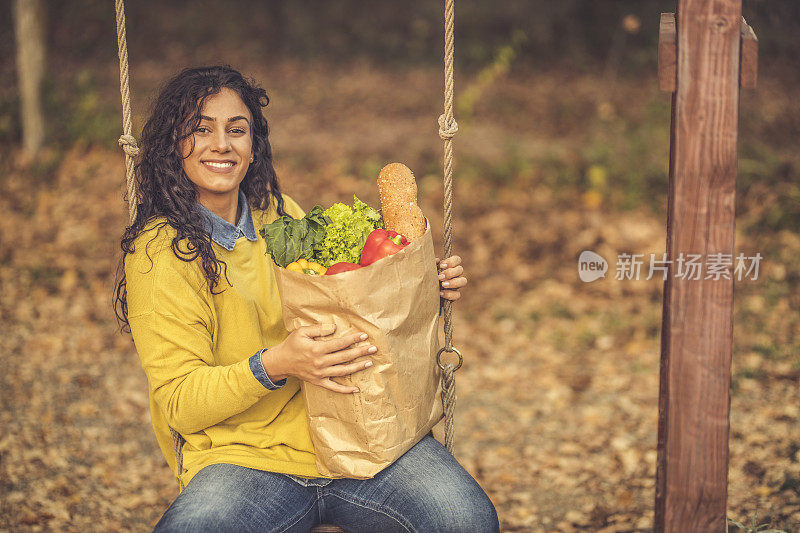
[616,40]
[580,34]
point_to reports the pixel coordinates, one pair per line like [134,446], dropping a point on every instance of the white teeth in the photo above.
[218,165]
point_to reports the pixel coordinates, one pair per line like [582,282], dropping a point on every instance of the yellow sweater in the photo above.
[194,347]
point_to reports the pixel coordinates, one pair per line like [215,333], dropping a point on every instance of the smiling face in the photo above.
[217,155]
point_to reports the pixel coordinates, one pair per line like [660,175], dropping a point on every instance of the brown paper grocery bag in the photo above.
[396,302]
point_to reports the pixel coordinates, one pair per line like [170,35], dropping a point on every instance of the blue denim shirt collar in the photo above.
[223,232]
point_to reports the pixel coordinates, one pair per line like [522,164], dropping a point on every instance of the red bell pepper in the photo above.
[337,268]
[381,243]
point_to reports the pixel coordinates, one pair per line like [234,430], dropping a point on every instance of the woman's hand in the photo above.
[450,277]
[306,356]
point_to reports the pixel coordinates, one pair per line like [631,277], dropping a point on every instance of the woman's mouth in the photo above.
[219,166]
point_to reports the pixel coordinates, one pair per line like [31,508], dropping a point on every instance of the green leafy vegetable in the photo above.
[288,239]
[347,231]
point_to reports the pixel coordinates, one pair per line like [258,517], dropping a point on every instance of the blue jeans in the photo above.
[425,490]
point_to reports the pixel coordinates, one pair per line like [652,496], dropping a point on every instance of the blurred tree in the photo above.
[29,29]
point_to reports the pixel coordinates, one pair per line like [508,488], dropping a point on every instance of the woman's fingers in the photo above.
[450,277]
[450,273]
[331,385]
[317,330]
[456,283]
[344,356]
[345,370]
[450,295]
[337,367]
[450,262]
[340,343]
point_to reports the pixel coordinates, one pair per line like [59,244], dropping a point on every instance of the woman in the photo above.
[202,306]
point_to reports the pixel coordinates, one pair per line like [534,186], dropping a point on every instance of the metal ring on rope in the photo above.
[452,349]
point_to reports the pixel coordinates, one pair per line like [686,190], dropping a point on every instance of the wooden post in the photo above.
[699,60]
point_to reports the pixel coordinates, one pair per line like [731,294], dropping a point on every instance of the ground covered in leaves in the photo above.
[558,393]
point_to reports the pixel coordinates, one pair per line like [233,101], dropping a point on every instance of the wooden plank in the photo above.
[664,374]
[697,331]
[749,57]
[667,52]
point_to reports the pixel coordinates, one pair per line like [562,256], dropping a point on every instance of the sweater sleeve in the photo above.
[171,324]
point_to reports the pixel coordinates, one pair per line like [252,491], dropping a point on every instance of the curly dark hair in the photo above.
[164,188]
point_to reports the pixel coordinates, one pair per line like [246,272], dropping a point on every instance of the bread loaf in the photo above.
[398,191]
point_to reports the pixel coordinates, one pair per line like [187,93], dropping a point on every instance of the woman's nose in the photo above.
[221,143]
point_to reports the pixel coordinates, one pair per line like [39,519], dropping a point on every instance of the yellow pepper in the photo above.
[304,266]
[294,267]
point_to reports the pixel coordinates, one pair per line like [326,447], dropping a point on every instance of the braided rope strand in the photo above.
[126,141]
[449,400]
[448,127]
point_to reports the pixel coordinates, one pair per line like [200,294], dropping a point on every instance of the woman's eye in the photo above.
[204,129]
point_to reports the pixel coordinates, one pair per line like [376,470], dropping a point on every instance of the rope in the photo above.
[126,141]
[447,130]
[449,401]
[128,144]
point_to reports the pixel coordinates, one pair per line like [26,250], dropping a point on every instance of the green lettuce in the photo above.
[288,239]
[347,231]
